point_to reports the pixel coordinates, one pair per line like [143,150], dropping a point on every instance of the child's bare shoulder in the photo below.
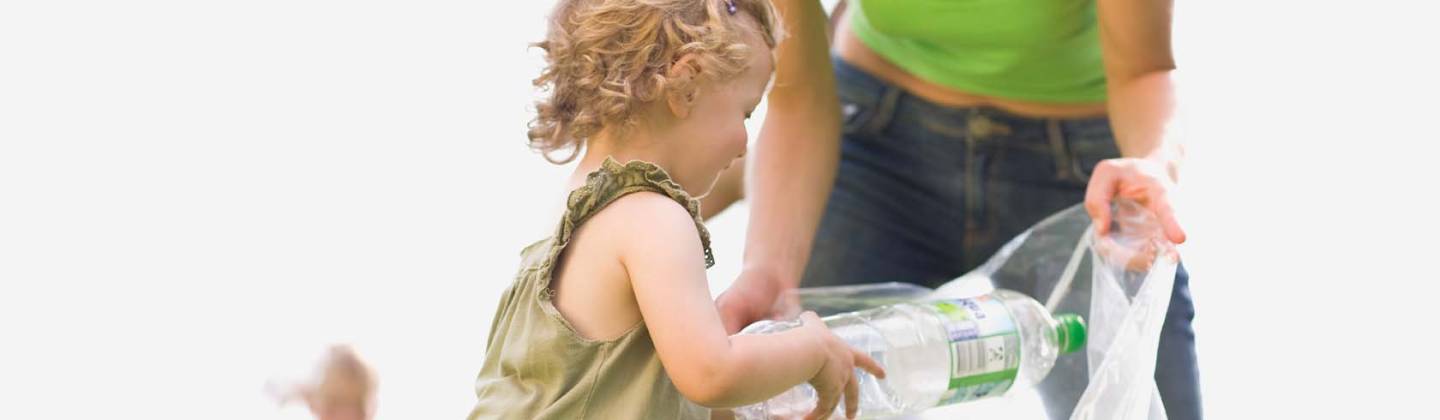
[645,219]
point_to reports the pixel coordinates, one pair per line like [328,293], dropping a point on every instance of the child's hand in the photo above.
[837,375]
[342,387]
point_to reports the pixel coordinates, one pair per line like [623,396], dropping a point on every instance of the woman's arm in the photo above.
[1135,40]
[798,148]
[791,169]
[1135,43]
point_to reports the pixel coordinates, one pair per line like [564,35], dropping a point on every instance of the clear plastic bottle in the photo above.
[937,353]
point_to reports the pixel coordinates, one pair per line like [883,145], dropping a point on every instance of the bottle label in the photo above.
[984,348]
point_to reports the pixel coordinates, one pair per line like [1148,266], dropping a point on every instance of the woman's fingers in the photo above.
[1166,213]
[1098,194]
[1141,180]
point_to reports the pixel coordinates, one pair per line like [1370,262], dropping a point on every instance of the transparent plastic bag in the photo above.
[1130,294]
[831,300]
[1123,297]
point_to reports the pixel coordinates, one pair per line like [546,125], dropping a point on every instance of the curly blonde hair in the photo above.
[607,58]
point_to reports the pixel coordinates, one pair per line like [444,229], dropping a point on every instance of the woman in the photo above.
[961,124]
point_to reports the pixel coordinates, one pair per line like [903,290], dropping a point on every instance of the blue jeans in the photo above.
[927,192]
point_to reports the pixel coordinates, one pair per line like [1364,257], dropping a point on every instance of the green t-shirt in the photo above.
[1034,50]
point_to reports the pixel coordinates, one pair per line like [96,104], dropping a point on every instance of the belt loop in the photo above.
[884,112]
[979,126]
[1059,150]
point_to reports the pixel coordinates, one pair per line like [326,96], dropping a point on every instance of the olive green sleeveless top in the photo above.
[537,366]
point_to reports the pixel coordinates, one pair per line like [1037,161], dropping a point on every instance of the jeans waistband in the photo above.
[855,85]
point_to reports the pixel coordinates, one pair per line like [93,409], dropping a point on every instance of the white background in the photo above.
[195,195]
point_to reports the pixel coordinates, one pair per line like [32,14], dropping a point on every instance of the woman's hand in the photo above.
[1136,240]
[756,295]
[837,376]
[1148,182]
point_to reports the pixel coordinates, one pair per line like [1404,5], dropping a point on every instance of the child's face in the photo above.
[713,134]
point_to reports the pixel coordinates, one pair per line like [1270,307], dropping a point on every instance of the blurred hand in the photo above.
[837,376]
[341,388]
[1145,181]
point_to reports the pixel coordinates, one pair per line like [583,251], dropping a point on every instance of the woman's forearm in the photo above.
[792,168]
[1141,112]
[1135,43]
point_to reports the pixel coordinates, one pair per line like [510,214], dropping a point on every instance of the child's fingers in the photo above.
[852,397]
[864,361]
[811,316]
[825,404]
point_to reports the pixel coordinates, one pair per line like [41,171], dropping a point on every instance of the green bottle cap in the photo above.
[1070,332]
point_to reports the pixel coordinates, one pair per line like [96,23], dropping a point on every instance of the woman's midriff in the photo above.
[853,51]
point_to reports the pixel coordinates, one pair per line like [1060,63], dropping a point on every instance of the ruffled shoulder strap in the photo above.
[614,180]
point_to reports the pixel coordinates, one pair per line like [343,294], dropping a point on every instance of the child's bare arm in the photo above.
[667,273]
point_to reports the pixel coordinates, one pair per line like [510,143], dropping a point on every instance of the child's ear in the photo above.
[683,73]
